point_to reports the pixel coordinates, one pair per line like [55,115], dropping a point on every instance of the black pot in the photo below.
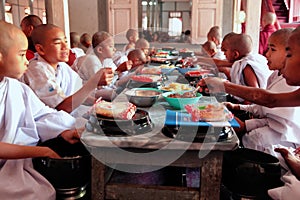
[70,173]
[250,173]
[139,124]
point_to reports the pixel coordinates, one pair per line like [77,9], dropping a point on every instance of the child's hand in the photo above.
[214,84]
[71,136]
[232,106]
[125,66]
[50,153]
[292,160]
[105,76]
[242,129]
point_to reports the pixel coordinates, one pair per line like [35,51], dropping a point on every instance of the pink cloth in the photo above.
[263,38]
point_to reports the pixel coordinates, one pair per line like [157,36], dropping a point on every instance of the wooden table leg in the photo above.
[211,175]
[98,180]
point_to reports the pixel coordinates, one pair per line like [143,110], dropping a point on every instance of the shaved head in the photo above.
[39,33]
[142,43]
[239,42]
[296,36]
[136,53]
[269,18]
[100,37]
[8,35]
[281,36]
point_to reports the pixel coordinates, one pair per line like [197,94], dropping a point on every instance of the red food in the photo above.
[210,112]
[145,79]
[116,110]
[196,73]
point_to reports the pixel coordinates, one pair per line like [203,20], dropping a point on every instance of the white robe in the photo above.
[289,191]
[259,65]
[89,64]
[27,120]
[273,126]
[50,85]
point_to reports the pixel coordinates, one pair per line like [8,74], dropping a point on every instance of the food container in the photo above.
[143,97]
[69,175]
[179,103]
[139,124]
[249,173]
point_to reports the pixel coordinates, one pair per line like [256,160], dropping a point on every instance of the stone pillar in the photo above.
[253,12]
[58,14]
[2,10]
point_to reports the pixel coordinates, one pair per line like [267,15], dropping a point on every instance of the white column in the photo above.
[253,12]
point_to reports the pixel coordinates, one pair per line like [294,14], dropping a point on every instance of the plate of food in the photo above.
[119,119]
[146,78]
[176,87]
[209,112]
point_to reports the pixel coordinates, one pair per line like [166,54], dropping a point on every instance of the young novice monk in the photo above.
[132,36]
[24,121]
[54,82]
[101,57]
[264,97]
[272,126]
[248,68]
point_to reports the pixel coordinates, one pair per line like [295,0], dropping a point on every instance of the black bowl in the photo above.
[139,124]
[202,133]
[250,173]
[71,172]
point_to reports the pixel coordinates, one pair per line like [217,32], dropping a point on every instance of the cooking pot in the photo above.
[139,124]
[71,173]
[250,173]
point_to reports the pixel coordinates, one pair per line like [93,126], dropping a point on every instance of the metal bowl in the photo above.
[143,97]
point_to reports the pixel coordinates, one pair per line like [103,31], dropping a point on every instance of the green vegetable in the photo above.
[201,107]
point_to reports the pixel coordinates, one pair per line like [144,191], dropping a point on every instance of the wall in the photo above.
[83,16]
[18,7]
[167,6]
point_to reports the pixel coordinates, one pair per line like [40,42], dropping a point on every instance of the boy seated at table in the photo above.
[271,126]
[53,81]
[24,121]
[144,45]
[270,99]
[132,35]
[248,68]
[135,62]
[101,57]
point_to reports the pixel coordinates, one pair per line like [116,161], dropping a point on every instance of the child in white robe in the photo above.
[291,73]
[54,82]
[248,68]
[272,126]
[24,121]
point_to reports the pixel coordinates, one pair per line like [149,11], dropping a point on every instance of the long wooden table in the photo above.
[157,149]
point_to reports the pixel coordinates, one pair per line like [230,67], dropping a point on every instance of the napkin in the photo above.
[180,118]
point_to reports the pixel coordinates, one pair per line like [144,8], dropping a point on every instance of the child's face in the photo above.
[55,48]
[135,37]
[292,61]
[275,54]
[108,48]
[14,63]
[230,55]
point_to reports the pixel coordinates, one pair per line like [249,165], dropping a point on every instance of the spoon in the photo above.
[194,92]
